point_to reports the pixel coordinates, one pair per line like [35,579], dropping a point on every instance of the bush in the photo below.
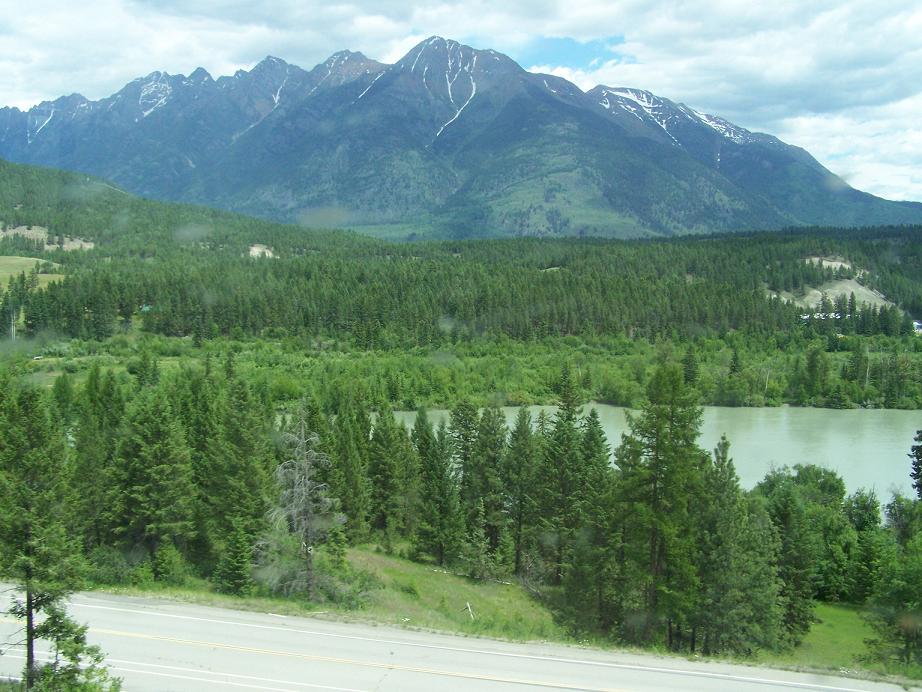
[108,566]
[169,566]
[142,574]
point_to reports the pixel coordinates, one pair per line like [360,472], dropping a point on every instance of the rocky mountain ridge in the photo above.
[448,141]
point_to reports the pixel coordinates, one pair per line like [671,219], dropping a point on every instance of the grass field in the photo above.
[13,266]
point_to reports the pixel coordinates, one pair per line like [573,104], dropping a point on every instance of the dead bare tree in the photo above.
[304,508]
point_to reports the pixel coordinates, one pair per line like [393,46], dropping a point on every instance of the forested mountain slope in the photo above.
[189,270]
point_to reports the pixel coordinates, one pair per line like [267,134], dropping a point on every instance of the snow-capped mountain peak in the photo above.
[155,93]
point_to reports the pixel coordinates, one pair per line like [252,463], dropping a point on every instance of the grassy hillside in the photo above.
[399,592]
[836,640]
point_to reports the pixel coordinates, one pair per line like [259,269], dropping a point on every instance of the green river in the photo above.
[868,447]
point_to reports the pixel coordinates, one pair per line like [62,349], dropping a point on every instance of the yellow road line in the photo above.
[351,662]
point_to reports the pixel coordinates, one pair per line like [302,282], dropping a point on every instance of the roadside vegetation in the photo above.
[180,479]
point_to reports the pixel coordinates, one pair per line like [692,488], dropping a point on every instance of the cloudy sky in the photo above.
[841,78]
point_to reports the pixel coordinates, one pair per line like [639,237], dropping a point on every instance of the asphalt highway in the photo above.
[162,646]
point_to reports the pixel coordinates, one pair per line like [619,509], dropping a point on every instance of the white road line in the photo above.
[504,654]
[45,656]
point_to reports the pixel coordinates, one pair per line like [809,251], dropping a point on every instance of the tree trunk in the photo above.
[30,639]
[517,570]
[309,564]
[558,566]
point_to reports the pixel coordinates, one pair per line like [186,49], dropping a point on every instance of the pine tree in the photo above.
[36,551]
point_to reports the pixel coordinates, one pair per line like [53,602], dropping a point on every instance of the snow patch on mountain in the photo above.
[727,129]
[460,66]
[278,93]
[30,136]
[154,93]
[377,77]
[650,104]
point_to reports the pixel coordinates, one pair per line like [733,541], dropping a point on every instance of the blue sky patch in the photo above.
[566,52]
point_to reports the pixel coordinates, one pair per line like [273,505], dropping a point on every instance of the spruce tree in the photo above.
[383,470]
[518,476]
[462,425]
[478,555]
[154,474]
[560,479]
[349,473]
[659,482]
[591,562]
[797,559]
[915,471]
[896,607]
[738,607]
[489,448]
[690,366]
[440,529]
[233,574]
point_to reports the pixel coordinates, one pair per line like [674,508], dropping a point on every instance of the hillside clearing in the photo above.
[260,250]
[812,296]
[829,262]
[13,266]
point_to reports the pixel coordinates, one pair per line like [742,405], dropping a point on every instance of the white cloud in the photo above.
[839,77]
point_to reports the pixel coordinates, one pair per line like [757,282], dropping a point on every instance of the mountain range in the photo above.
[449,141]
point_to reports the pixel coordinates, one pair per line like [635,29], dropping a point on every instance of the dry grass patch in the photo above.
[40,233]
